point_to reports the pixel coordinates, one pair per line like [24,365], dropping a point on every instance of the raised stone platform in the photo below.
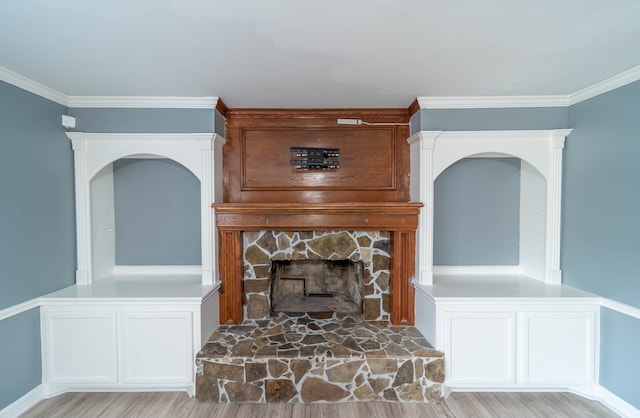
[320,357]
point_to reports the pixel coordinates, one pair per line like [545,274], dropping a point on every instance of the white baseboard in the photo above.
[593,392]
[23,404]
[609,399]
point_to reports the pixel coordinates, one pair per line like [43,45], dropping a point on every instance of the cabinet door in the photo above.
[157,347]
[480,348]
[559,347]
[79,347]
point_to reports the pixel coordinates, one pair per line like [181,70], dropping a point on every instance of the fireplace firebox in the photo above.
[316,286]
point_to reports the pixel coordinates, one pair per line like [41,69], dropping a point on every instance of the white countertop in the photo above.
[147,287]
[498,286]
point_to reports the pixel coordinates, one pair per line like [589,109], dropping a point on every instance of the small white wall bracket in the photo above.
[69,122]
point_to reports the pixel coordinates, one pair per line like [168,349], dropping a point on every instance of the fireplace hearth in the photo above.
[317,358]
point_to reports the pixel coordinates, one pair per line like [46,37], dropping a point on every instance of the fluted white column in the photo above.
[83,208]
[554,201]
[422,146]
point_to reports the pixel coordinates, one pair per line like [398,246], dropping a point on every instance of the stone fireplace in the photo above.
[314,271]
[271,354]
[381,235]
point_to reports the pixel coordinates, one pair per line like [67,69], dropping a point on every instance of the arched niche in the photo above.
[540,151]
[145,211]
[477,212]
[94,153]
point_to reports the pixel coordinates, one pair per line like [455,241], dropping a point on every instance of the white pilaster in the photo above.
[83,210]
[422,145]
[554,200]
[216,187]
[206,218]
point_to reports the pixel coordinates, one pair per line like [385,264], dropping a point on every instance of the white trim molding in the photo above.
[124,102]
[19,308]
[425,102]
[24,403]
[152,271]
[34,87]
[145,102]
[563,100]
[620,307]
[607,398]
[622,79]
[505,270]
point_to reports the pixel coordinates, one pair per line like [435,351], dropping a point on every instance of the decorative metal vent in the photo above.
[306,158]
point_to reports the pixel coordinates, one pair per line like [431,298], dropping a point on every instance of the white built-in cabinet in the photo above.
[131,328]
[518,345]
[79,347]
[504,327]
[513,342]
[541,341]
[89,344]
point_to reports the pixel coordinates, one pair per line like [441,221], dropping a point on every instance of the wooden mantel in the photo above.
[400,218]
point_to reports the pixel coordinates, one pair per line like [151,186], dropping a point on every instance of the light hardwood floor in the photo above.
[178,404]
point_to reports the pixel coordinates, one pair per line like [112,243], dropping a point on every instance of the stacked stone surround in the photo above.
[314,358]
[373,248]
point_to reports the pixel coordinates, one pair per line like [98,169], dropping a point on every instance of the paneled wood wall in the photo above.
[374,161]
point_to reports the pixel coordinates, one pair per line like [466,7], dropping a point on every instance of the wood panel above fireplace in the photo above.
[374,159]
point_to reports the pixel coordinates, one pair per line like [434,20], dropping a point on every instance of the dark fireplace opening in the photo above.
[316,286]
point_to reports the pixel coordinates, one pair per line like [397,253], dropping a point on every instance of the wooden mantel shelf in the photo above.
[391,216]
[399,218]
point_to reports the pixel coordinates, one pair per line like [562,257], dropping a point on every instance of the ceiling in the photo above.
[329,53]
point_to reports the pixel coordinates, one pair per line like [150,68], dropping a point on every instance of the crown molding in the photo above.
[148,102]
[494,102]
[425,102]
[604,86]
[31,86]
[491,102]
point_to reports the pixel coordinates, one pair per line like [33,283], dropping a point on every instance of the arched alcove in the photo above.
[146,214]
[540,152]
[94,155]
[476,213]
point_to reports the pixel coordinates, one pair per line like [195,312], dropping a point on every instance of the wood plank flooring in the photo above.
[178,405]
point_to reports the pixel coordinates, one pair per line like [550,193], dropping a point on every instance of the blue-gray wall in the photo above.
[143,120]
[493,119]
[414,123]
[220,124]
[37,227]
[157,213]
[477,213]
[619,359]
[20,360]
[601,223]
